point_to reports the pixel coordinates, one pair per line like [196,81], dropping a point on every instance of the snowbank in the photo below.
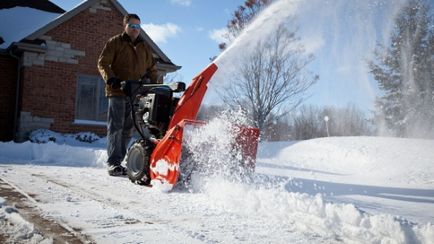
[52,154]
[395,162]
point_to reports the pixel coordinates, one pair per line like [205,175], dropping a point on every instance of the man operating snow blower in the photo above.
[156,158]
[125,57]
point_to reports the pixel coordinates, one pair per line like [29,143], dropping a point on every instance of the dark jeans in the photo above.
[119,129]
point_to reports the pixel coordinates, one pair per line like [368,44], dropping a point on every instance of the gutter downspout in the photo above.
[17,93]
[22,47]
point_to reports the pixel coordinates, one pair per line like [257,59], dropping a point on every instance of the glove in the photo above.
[114,82]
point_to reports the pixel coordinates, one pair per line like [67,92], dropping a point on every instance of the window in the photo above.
[91,103]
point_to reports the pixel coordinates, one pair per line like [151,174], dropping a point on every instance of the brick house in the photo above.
[49,78]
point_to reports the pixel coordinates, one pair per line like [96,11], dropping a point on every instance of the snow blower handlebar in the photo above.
[133,87]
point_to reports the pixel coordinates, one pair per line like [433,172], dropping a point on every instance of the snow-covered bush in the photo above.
[89,137]
[44,136]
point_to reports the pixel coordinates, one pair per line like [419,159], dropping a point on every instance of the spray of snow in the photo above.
[259,29]
[211,150]
[269,198]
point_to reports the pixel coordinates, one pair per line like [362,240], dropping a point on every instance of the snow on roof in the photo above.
[44,5]
[18,22]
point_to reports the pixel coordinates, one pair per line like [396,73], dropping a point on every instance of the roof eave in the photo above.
[29,47]
[170,67]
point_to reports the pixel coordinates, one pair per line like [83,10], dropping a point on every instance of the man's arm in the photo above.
[106,59]
[152,71]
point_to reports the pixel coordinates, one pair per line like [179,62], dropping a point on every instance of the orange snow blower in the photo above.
[160,119]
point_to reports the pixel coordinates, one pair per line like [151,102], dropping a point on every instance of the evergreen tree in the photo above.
[405,73]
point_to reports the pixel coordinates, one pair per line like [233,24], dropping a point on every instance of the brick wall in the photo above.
[8,79]
[49,87]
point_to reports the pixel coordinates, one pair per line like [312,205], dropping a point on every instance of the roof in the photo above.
[44,5]
[43,21]
[19,21]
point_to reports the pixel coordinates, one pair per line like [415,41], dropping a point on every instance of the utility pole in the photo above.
[326,119]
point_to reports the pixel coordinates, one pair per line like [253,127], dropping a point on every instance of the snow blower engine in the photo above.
[160,119]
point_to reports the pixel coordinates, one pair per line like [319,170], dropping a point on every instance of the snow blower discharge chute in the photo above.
[160,119]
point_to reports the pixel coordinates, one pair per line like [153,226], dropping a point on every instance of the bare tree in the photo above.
[347,121]
[272,78]
[277,129]
[308,123]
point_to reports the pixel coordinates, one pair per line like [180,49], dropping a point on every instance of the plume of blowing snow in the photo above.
[262,26]
[211,149]
[217,177]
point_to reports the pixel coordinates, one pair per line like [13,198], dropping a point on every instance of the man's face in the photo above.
[133,28]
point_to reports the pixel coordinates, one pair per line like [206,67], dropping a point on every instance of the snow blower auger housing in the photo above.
[160,119]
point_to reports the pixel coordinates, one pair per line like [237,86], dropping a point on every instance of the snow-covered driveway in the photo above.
[330,190]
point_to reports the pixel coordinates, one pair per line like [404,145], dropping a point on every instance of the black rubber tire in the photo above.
[138,157]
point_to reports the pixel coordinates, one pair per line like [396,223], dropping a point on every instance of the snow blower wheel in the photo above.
[138,157]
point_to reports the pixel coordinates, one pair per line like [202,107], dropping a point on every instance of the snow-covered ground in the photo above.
[327,190]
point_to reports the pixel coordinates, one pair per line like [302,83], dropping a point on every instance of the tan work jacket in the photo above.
[125,60]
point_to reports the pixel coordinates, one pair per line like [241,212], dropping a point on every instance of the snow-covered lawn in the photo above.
[327,190]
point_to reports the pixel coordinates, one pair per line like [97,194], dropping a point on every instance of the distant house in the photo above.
[48,66]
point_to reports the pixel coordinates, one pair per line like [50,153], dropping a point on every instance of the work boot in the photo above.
[116,170]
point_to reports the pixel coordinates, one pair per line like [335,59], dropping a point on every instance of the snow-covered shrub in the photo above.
[88,137]
[43,136]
